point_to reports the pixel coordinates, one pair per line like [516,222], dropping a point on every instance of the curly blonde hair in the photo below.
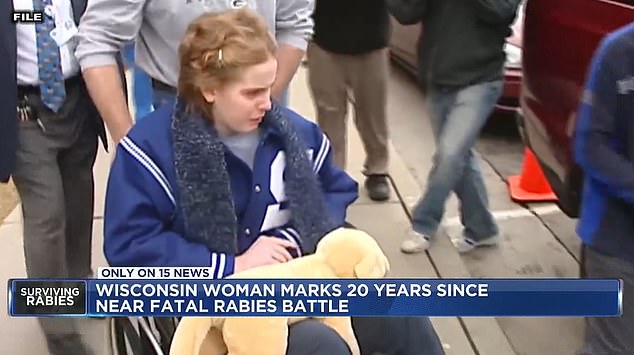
[216,48]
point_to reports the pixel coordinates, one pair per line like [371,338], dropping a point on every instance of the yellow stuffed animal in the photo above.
[343,253]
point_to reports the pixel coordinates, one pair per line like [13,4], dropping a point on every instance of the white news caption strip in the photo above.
[161,273]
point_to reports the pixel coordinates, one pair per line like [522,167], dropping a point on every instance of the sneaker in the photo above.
[378,187]
[415,243]
[465,244]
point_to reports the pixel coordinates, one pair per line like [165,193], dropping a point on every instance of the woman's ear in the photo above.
[208,94]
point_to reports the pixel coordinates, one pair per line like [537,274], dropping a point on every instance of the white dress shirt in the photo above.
[27,68]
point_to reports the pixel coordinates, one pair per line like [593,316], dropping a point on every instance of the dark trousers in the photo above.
[397,336]
[54,179]
[309,337]
[609,335]
[384,335]
[389,336]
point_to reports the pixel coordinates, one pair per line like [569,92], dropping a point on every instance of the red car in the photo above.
[404,49]
[559,40]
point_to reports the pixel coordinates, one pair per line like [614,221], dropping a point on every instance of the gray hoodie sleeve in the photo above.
[105,27]
[294,22]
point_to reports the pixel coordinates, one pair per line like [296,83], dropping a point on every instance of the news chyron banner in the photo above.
[192,292]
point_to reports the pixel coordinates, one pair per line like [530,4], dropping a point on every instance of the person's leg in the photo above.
[327,84]
[437,104]
[368,83]
[310,337]
[396,336]
[479,224]
[76,168]
[455,139]
[609,335]
[39,184]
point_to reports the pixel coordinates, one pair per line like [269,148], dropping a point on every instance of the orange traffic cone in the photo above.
[532,185]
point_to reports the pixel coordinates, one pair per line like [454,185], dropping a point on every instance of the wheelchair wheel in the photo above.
[141,335]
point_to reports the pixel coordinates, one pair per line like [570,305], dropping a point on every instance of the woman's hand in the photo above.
[265,251]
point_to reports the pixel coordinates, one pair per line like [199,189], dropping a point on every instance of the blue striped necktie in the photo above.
[52,90]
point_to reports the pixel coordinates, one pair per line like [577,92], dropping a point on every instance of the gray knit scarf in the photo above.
[205,190]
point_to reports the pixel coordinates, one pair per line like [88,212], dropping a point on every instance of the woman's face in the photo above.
[239,106]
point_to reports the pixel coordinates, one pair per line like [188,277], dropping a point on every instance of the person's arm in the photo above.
[293,30]
[106,90]
[138,211]
[497,11]
[105,27]
[597,137]
[288,60]
[408,12]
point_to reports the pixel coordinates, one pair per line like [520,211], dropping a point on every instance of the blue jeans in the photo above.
[457,117]
[310,337]
[384,335]
[162,98]
[141,85]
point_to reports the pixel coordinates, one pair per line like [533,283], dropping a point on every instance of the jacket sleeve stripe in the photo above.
[320,153]
[221,266]
[293,232]
[214,262]
[323,152]
[288,236]
[151,167]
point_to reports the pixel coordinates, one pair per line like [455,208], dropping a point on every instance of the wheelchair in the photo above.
[145,335]
[140,335]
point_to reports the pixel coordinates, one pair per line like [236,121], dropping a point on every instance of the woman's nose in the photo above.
[265,104]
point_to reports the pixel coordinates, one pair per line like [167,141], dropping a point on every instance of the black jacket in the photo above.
[8,92]
[463,40]
[8,89]
[351,26]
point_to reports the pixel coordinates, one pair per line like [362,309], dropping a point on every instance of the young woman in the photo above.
[225,178]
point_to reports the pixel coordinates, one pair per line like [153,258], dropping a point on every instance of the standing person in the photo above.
[461,69]
[604,149]
[159,26]
[223,179]
[48,144]
[348,61]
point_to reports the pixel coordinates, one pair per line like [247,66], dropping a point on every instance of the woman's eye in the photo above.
[255,92]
